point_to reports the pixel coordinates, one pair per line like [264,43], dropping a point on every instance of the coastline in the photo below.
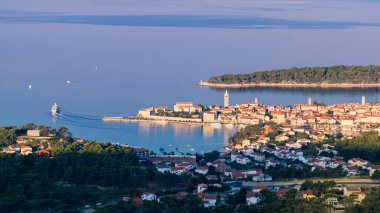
[288,84]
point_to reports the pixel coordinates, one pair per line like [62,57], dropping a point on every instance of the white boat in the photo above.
[55,109]
[216,124]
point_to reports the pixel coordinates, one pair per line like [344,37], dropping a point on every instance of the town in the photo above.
[349,119]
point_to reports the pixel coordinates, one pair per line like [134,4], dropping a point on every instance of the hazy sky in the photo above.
[354,10]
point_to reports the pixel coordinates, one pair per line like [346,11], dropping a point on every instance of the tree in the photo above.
[62,132]
[376,175]
[211,156]
[7,136]
[339,135]
[366,146]
[238,198]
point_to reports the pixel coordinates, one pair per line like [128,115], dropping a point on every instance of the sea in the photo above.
[110,58]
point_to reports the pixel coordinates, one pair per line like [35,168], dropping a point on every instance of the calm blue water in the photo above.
[152,53]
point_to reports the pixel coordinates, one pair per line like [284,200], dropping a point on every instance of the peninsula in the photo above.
[333,76]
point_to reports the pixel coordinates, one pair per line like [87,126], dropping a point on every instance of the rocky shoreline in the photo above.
[288,84]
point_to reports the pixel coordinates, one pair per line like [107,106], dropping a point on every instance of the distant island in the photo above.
[332,76]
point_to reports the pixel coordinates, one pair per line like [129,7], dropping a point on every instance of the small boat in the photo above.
[192,149]
[188,145]
[55,109]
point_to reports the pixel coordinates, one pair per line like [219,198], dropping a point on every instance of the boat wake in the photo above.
[80,116]
[87,121]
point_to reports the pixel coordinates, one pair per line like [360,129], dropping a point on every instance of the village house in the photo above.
[145,112]
[257,189]
[351,170]
[201,187]
[308,194]
[148,196]
[201,170]
[26,150]
[373,168]
[184,107]
[260,157]
[209,117]
[281,138]
[358,162]
[178,170]
[141,152]
[33,133]
[252,198]
[355,191]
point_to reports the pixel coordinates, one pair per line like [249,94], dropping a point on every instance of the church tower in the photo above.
[226,99]
[363,100]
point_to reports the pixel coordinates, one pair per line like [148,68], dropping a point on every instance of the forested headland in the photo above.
[306,75]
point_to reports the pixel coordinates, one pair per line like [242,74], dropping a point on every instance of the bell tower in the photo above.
[226,99]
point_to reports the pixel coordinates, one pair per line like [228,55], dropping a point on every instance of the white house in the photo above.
[242,160]
[358,162]
[258,156]
[201,187]
[281,138]
[373,168]
[33,133]
[252,198]
[163,168]
[257,189]
[201,170]
[177,170]
[234,156]
[209,200]
[148,196]
[293,145]
[304,140]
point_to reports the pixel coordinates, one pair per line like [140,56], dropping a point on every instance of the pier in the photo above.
[152,118]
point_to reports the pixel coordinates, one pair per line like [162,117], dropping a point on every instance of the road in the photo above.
[345,181]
